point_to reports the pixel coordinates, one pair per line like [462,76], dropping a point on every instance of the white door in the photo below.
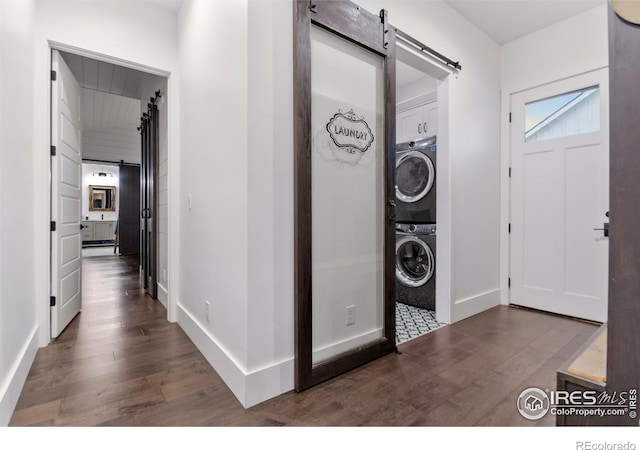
[560,197]
[66,183]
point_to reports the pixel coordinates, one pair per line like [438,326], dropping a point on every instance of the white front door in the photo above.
[560,197]
[66,183]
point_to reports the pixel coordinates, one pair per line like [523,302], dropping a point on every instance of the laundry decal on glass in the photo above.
[345,139]
[350,132]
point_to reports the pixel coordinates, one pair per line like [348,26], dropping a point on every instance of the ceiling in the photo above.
[110,94]
[105,77]
[507,20]
[102,110]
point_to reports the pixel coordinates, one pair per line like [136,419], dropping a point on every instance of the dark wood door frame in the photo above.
[623,326]
[372,32]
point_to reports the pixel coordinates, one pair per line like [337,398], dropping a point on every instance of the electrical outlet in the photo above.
[207,310]
[164,275]
[351,315]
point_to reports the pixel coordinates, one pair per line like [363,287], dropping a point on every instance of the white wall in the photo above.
[270,202]
[417,89]
[571,47]
[473,220]
[236,249]
[214,251]
[135,34]
[18,324]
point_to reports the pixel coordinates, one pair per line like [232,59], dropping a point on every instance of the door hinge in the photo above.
[53,150]
[509,282]
[509,117]
[509,172]
[52,301]
[54,75]
[53,225]
[509,228]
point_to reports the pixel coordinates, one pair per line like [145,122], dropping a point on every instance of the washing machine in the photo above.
[416,181]
[416,265]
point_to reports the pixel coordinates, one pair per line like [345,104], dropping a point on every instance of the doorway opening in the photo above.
[422,194]
[97,183]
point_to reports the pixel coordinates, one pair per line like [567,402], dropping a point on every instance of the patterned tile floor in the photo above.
[412,322]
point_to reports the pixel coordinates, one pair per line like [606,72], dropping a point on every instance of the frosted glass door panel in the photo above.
[348,198]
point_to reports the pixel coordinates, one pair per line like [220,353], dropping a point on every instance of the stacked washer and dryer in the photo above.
[416,223]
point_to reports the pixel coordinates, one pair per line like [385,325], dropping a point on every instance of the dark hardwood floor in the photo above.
[121,363]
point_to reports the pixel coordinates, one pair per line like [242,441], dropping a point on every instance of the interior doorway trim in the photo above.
[43,311]
[55,45]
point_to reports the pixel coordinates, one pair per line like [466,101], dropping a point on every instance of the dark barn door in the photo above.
[344,125]
[148,199]
[129,217]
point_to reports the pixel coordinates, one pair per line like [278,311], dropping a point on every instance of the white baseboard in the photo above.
[11,386]
[269,382]
[250,388]
[470,306]
[163,295]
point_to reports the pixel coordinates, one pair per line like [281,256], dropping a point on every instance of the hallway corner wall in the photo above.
[18,322]
[213,184]
[270,204]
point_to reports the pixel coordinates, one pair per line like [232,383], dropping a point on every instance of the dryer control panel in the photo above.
[417,228]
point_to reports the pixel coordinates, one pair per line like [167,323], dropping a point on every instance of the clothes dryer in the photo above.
[416,181]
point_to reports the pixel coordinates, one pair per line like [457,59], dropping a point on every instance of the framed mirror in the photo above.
[102,198]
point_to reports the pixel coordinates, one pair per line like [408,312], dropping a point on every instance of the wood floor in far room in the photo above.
[121,363]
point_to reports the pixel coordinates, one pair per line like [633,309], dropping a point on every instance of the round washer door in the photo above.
[414,176]
[415,263]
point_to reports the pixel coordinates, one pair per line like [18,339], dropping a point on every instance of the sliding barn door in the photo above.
[129,217]
[148,200]
[344,97]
